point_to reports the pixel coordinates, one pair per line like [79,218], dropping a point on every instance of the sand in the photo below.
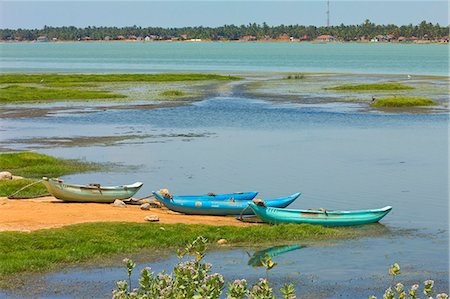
[48,212]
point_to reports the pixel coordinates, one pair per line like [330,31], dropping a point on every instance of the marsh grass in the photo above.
[34,165]
[403,102]
[46,249]
[8,187]
[172,93]
[72,78]
[70,84]
[29,93]
[372,87]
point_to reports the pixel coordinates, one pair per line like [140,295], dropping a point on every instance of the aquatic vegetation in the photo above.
[398,291]
[30,93]
[77,78]
[172,93]
[193,279]
[372,87]
[295,77]
[403,102]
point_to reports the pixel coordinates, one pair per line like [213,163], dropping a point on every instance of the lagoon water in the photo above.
[430,59]
[336,155]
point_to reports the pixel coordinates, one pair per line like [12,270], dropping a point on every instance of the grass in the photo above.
[172,93]
[8,187]
[35,166]
[70,84]
[403,102]
[46,249]
[372,87]
[58,78]
[28,93]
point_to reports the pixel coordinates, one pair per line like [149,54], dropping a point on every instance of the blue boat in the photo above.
[218,197]
[256,260]
[322,217]
[219,207]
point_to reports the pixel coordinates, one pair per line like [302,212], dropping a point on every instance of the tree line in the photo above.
[424,30]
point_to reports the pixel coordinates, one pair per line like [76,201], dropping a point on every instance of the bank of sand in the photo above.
[49,212]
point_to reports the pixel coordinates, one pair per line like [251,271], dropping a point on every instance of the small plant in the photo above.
[398,291]
[193,279]
[172,93]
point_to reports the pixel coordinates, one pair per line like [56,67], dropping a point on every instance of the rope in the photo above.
[23,188]
[242,213]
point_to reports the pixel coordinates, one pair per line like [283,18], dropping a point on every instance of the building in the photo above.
[325,38]
[284,36]
[247,38]
[42,39]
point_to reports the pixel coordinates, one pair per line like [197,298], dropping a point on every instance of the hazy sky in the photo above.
[36,14]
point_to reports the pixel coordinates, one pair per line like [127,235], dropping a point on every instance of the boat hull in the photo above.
[81,193]
[218,197]
[219,208]
[325,218]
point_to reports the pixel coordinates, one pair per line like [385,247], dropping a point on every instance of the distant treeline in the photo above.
[424,30]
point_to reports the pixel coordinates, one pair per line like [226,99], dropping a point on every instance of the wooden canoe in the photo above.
[219,208]
[89,193]
[322,217]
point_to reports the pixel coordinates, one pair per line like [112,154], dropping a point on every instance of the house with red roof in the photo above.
[42,39]
[325,38]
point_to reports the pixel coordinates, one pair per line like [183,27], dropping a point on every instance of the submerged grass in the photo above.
[58,78]
[172,93]
[403,102]
[35,166]
[29,93]
[45,249]
[372,87]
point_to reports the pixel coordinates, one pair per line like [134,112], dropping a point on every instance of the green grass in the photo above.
[58,78]
[70,84]
[28,93]
[35,166]
[403,102]
[46,249]
[172,93]
[8,187]
[372,87]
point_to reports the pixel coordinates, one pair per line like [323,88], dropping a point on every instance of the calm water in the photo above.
[225,57]
[337,156]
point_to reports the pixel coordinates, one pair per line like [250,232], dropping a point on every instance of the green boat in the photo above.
[321,217]
[89,193]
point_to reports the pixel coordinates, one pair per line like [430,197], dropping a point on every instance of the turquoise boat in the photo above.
[256,260]
[218,197]
[89,193]
[219,207]
[322,217]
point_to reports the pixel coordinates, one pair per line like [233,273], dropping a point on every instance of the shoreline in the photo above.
[27,215]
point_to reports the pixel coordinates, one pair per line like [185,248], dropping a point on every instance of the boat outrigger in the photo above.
[322,217]
[89,193]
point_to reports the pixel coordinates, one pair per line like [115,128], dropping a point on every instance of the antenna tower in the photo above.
[328,13]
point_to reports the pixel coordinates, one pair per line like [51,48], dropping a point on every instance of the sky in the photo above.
[37,14]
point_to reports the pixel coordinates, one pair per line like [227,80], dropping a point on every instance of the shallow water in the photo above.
[431,59]
[338,156]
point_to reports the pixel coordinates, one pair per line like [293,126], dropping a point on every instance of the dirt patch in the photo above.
[49,212]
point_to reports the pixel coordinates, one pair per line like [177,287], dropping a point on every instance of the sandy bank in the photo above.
[49,212]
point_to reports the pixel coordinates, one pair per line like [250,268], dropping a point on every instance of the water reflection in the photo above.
[256,260]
